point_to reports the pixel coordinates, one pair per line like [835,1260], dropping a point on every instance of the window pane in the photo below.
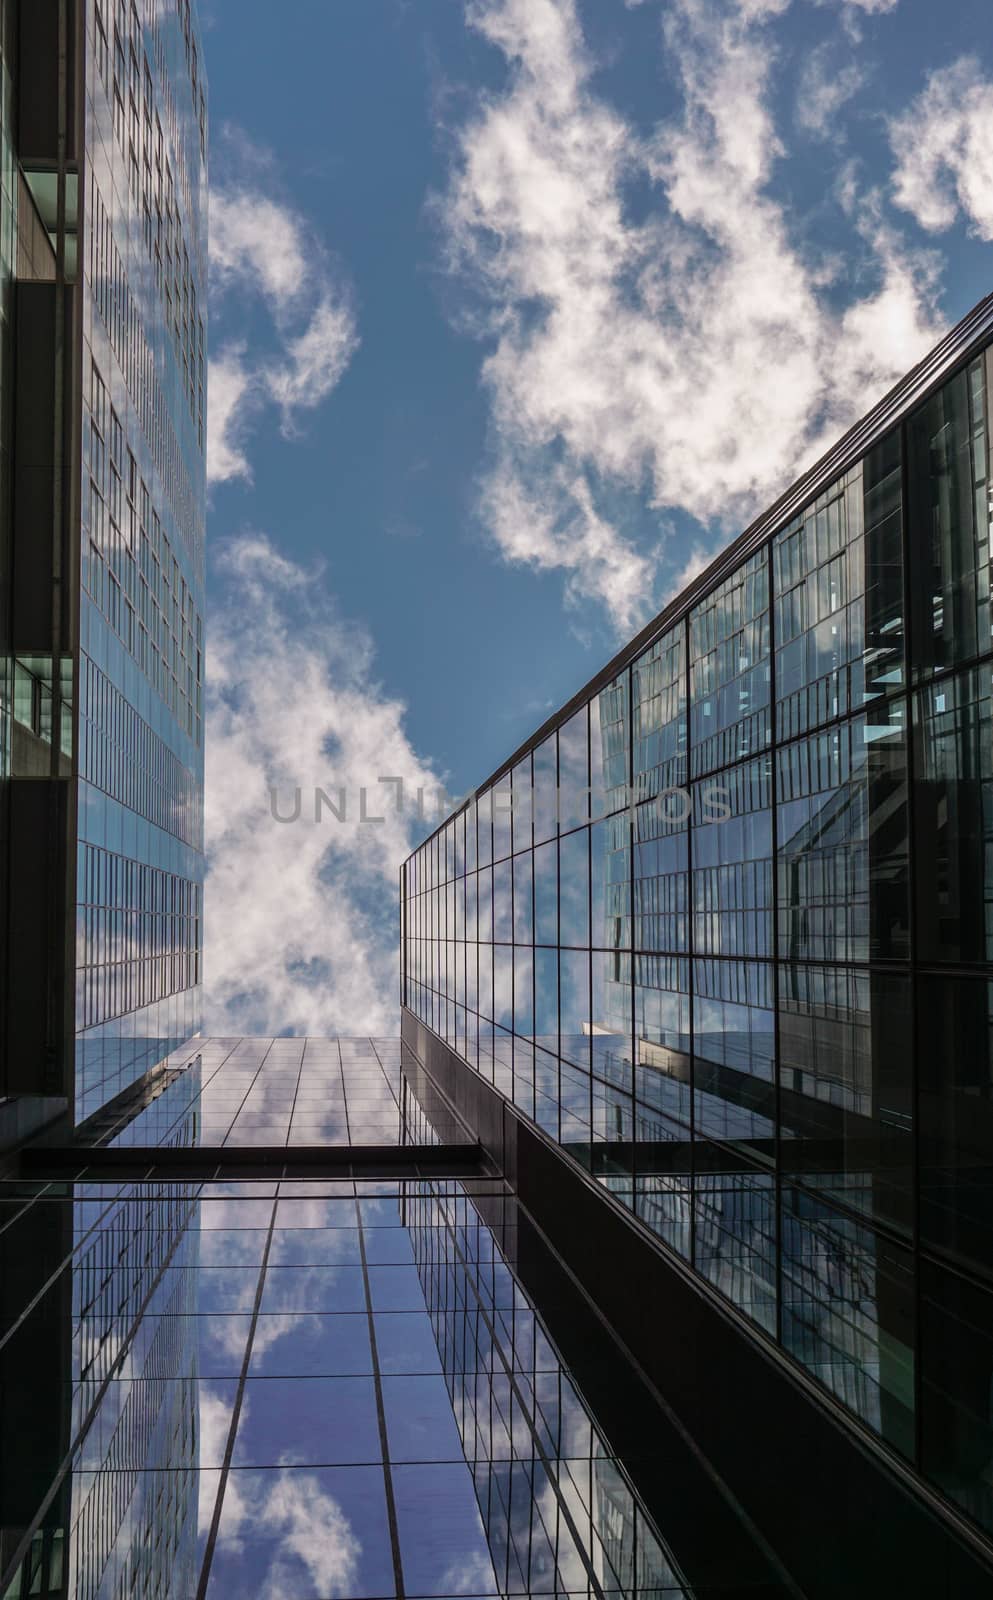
[733,1044]
[523,914]
[609,740]
[574,771]
[729,669]
[845,1083]
[610,857]
[955,1066]
[502,798]
[522,809]
[848,1313]
[957,1389]
[574,888]
[949,524]
[842,835]
[953,811]
[545,790]
[658,687]
[546,894]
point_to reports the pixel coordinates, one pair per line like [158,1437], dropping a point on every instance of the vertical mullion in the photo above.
[630,799]
[215,1520]
[384,1447]
[558,929]
[777,1224]
[690,927]
[589,931]
[911,693]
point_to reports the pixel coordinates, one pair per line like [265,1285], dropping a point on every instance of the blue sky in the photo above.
[520,310]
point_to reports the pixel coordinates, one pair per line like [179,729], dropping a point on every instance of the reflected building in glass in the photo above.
[241,1378]
[103,209]
[713,951]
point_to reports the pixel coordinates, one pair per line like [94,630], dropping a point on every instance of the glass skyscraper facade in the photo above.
[103,345]
[721,930]
[241,1378]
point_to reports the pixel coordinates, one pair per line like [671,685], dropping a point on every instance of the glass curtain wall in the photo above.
[140,862]
[726,933]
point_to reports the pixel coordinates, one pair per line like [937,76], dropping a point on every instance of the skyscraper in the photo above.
[707,963]
[103,245]
[653,1260]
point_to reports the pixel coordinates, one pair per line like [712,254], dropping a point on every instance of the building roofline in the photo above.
[965,340]
[962,342]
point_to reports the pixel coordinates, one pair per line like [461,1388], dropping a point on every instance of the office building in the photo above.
[707,964]
[242,1377]
[102,348]
[654,1259]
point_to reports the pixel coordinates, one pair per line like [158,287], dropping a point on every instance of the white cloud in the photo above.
[301,930]
[824,89]
[257,243]
[551,524]
[261,248]
[696,357]
[316,360]
[303,1527]
[944,150]
[231,396]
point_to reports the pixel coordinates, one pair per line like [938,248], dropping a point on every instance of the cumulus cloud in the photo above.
[943,146]
[301,915]
[697,357]
[293,1533]
[262,249]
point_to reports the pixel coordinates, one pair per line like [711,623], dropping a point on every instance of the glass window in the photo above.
[848,1313]
[574,777]
[501,796]
[658,709]
[955,1068]
[546,790]
[949,524]
[546,893]
[484,904]
[484,829]
[611,1019]
[734,1233]
[485,982]
[661,859]
[546,999]
[610,728]
[729,669]
[503,985]
[953,817]
[503,913]
[470,836]
[957,1389]
[732,862]
[733,1053]
[842,839]
[882,512]
[523,805]
[845,1085]
[574,1007]
[523,912]
[523,994]
[610,882]
[574,888]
